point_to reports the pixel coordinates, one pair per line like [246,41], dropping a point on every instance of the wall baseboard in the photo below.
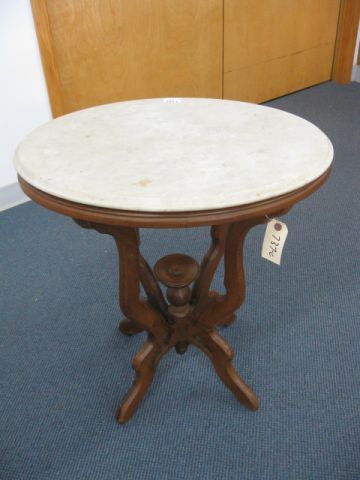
[11,195]
[355,74]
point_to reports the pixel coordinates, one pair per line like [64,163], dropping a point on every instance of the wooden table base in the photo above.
[188,315]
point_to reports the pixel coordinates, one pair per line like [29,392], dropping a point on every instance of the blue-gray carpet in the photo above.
[64,366]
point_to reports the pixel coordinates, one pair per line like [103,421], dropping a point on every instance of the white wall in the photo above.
[355,75]
[357,45]
[24,101]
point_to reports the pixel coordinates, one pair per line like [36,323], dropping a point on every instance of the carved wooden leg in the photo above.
[129,327]
[140,314]
[221,308]
[221,354]
[209,265]
[144,364]
[200,291]
[153,292]
[136,309]
[152,288]
[226,321]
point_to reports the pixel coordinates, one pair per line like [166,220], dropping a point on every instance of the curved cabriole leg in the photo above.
[200,291]
[151,287]
[140,314]
[227,320]
[221,308]
[221,355]
[138,311]
[153,292]
[144,364]
[209,265]
[129,327]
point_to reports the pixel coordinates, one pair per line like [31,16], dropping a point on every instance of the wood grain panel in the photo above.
[281,47]
[45,41]
[346,40]
[111,50]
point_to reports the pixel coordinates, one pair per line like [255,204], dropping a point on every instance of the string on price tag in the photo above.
[274,241]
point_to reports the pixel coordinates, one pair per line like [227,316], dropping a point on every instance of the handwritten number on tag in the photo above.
[274,241]
[276,244]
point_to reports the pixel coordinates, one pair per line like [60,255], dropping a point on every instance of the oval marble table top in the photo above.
[173,155]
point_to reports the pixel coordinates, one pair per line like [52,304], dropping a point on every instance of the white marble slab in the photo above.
[173,154]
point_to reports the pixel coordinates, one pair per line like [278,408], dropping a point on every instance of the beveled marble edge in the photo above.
[274,206]
[158,207]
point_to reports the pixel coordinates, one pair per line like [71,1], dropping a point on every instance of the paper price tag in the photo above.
[274,241]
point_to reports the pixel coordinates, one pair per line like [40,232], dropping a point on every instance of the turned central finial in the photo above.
[176,272]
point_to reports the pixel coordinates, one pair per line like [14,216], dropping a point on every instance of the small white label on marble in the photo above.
[172,100]
[274,241]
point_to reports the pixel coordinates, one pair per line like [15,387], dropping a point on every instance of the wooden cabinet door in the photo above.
[274,47]
[101,51]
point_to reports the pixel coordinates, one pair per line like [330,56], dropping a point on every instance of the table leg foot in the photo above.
[129,328]
[144,364]
[228,321]
[221,354]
